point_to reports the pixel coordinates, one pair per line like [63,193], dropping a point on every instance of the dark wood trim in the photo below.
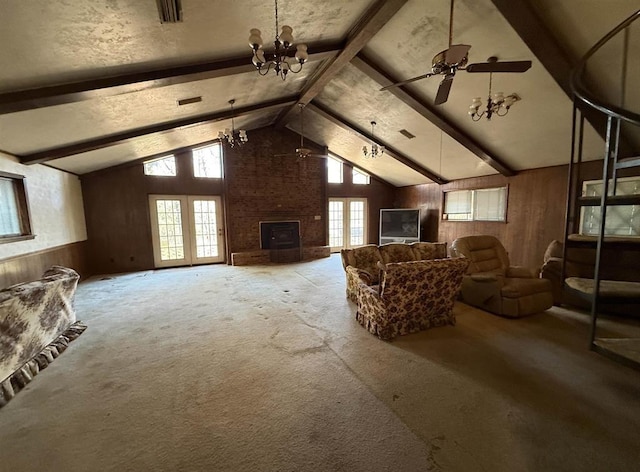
[102,142]
[367,66]
[361,33]
[394,153]
[555,59]
[12,102]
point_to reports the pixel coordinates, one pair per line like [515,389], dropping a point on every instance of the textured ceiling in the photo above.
[62,41]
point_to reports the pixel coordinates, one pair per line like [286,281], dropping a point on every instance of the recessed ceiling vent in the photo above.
[170,11]
[187,101]
[406,134]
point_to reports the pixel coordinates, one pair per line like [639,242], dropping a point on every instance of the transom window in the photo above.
[207,161]
[334,170]
[162,166]
[14,210]
[487,204]
[360,178]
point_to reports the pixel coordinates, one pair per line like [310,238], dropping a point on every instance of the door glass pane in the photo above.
[356,223]
[336,223]
[204,213]
[170,230]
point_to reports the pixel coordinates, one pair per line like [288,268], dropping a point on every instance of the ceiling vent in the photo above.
[406,134]
[170,11]
[187,101]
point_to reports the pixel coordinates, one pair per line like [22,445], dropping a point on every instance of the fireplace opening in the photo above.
[279,234]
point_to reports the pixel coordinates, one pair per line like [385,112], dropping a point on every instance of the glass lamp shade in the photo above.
[301,53]
[255,39]
[286,36]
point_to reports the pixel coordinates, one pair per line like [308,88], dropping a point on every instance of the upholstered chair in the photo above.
[365,259]
[494,285]
[411,296]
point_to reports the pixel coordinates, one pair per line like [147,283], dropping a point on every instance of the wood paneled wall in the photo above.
[116,203]
[535,211]
[379,195]
[28,267]
[258,186]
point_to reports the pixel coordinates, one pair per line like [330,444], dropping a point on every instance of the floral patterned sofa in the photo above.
[366,259]
[410,297]
[37,322]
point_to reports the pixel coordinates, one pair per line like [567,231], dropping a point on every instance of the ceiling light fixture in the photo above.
[497,104]
[231,136]
[279,58]
[375,150]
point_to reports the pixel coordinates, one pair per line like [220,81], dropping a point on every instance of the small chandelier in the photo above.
[497,104]
[279,58]
[375,150]
[230,135]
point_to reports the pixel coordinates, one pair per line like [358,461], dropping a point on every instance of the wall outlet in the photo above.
[317,217]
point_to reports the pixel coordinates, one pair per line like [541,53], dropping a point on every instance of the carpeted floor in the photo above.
[264,368]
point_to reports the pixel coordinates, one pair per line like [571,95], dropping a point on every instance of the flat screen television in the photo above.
[399,225]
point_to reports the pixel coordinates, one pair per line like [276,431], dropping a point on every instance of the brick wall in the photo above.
[261,186]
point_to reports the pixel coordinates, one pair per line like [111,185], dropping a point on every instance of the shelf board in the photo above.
[623,350]
[628,162]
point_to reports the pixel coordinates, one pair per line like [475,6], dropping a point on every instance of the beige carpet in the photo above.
[265,369]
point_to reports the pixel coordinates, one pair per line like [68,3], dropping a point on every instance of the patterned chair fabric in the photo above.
[396,252]
[494,285]
[363,258]
[425,251]
[411,296]
[33,314]
[366,258]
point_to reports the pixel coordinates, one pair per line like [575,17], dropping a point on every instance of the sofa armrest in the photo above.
[519,272]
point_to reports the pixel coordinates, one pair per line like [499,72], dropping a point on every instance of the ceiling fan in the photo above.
[302,152]
[446,63]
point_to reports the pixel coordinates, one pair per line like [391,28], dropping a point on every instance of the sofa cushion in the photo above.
[396,252]
[425,251]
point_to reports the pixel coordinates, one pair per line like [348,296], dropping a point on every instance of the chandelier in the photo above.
[230,135]
[497,104]
[278,60]
[375,150]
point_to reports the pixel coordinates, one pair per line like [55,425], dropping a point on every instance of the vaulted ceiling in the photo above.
[89,84]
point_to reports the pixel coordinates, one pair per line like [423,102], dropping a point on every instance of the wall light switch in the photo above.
[317,217]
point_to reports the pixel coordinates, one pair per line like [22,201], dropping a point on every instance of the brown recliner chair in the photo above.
[494,285]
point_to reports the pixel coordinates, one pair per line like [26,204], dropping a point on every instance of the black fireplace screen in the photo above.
[279,234]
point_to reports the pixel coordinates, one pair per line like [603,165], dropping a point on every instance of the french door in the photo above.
[347,223]
[186,230]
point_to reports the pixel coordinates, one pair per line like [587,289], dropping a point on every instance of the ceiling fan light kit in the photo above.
[446,63]
[232,137]
[497,105]
[376,150]
[279,59]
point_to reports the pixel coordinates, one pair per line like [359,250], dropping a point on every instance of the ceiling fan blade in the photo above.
[408,81]
[443,90]
[322,156]
[456,53]
[506,66]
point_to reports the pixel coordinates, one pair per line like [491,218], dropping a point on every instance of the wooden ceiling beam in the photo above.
[392,152]
[366,28]
[366,65]
[111,140]
[30,99]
